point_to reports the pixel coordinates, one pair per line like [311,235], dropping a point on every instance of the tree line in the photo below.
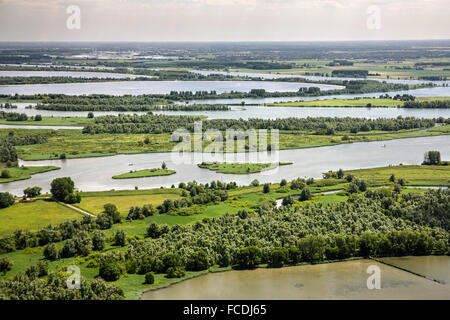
[151,123]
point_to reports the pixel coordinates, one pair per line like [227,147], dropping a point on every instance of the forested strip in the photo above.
[432,104]
[163,123]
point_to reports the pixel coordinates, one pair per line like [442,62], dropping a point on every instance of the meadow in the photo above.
[240,168]
[351,103]
[22,173]
[33,215]
[414,175]
[145,173]
[74,144]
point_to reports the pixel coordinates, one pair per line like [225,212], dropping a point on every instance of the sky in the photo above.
[223,20]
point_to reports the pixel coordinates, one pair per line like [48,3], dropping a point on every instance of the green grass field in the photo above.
[381,69]
[32,216]
[123,203]
[414,175]
[22,173]
[359,102]
[239,168]
[52,121]
[74,144]
[145,173]
[248,198]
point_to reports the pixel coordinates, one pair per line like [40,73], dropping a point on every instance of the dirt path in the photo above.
[77,209]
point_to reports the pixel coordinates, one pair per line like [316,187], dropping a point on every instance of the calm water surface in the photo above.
[161,87]
[340,280]
[433,267]
[92,174]
[260,112]
[70,74]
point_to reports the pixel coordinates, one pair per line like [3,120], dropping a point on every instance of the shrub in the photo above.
[120,238]
[51,252]
[6,199]
[6,264]
[73,197]
[6,174]
[110,271]
[305,195]
[149,278]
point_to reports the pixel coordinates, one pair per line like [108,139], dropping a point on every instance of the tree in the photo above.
[6,199]
[32,192]
[38,117]
[278,257]
[305,195]
[32,272]
[60,188]
[266,188]
[283,183]
[6,174]
[432,158]
[164,166]
[197,261]
[110,271]
[51,252]
[42,267]
[392,178]
[243,214]
[111,211]
[175,272]
[249,257]
[120,238]
[402,182]
[340,174]
[98,240]
[6,264]
[149,278]
[153,230]
[255,183]
[90,115]
[298,184]
[73,197]
[287,201]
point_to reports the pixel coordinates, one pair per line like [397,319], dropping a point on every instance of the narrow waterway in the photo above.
[92,174]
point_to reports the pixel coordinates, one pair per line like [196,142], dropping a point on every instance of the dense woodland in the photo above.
[433,104]
[375,223]
[324,125]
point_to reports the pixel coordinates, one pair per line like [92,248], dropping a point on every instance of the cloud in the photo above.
[154,20]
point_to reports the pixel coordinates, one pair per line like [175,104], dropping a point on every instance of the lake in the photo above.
[423,92]
[69,74]
[432,267]
[313,78]
[340,280]
[157,87]
[260,112]
[311,162]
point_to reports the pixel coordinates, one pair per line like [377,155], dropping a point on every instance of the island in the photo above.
[240,168]
[145,173]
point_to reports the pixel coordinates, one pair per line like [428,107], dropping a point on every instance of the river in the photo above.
[261,112]
[313,78]
[95,174]
[69,74]
[157,87]
[341,280]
